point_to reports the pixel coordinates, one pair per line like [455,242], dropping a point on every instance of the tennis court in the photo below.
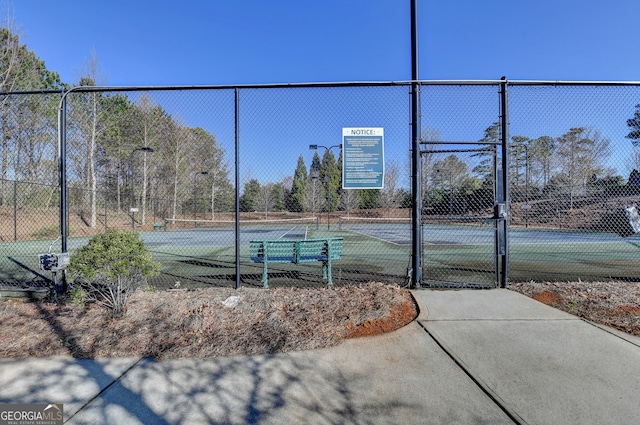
[452,253]
[203,255]
[465,252]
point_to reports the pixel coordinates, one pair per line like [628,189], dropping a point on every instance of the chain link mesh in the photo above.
[461,137]
[162,162]
[572,175]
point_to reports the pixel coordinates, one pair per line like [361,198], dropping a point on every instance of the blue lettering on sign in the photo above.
[363,159]
[359,132]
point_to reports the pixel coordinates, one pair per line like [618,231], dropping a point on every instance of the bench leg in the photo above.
[326,272]
[265,275]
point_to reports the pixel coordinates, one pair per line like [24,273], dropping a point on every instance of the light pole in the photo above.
[133,197]
[195,191]
[314,178]
[328,180]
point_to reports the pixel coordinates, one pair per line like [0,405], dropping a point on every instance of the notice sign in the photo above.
[363,158]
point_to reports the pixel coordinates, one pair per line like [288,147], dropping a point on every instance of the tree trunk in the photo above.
[213,197]
[91,160]
[119,186]
[5,157]
[144,188]
[175,196]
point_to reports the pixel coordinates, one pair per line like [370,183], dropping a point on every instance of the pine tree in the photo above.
[21,69]
[330,178]
[249,199]
[300,186]
[486,165]
[634,127]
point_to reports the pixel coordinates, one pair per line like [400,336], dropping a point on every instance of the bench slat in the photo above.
[292,251]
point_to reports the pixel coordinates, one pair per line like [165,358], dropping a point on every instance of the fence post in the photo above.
[62,167]
[416,181]
[62,160]
[237,182]
[503,195]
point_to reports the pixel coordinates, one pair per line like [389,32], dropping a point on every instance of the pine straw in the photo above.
[196,323]
[615,304]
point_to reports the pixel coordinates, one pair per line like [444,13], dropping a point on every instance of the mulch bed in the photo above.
[205,323]
[615,303]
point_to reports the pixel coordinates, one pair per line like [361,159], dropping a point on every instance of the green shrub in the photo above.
[150,288]
[113,265]
[78,296]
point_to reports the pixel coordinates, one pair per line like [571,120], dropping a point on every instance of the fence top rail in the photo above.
[526,83]
[571,83]
[86,89]
[25,92]
[89,89]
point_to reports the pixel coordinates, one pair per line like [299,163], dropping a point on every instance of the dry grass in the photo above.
[614,304]
[205,323]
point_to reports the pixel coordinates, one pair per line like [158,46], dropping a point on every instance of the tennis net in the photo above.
[185,223]
[355,222]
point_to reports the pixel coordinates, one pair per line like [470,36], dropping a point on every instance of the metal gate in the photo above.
[464,227]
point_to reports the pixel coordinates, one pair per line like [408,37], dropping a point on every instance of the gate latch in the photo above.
[500,211]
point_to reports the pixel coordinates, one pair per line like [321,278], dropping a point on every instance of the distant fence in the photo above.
[169,162]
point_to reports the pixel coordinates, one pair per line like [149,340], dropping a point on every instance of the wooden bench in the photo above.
[159,225]
[296,251]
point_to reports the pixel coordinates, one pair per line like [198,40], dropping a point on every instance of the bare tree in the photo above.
[428,157]
[349,200]
[389,195]
[86,115]
[207,156]
[176,149]
[148,135]
[266,198]
[581,153]
[314,197]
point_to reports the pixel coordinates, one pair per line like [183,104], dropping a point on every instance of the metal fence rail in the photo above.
[184,165]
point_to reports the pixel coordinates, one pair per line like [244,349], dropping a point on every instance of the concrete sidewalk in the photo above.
[541,365]
[472,357]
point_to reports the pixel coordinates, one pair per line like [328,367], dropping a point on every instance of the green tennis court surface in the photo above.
[204,257]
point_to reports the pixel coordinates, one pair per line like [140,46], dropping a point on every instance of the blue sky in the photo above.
[256,41]
[156,43]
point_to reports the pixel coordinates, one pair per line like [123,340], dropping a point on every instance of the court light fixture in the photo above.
[328,181]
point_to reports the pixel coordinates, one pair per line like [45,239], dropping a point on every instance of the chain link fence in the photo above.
[573,156]
[168,163]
